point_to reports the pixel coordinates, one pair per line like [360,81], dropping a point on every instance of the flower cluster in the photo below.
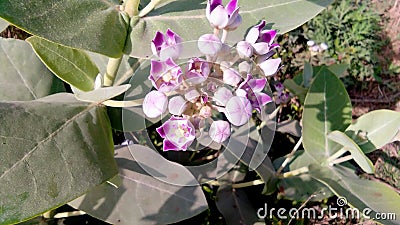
[223,87]
[281,96]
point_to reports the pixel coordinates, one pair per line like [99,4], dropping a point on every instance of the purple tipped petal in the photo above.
[219,131]
[262,99]
[257,85]
[222,96]
[209,44]
[213,4]
[270,66]
[252,35]
[219,17]
[238,110]
[268,36]
[231,77]
[231,6]
[177,105]
[168,145]
[154,104]
[234,23]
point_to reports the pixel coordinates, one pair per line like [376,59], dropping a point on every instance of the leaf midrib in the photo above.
[54,133]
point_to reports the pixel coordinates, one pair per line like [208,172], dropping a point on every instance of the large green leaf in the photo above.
[52,150]
[188,19]
[23,76]
[358,155]
[3,24]
[327,108]
[235,206]
[95,25]
[71,65]
[359,193]
[151,191]
[302,186]
[375,129]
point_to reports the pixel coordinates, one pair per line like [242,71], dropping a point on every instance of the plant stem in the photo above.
[340,160]
[132,7]
[295,172]
[224,35]
[112,69]
[336,155]
[239,185]
[149,7]
[289,157]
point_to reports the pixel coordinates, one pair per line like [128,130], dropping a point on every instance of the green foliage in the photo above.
[351,30]
[327,136]
[64,151]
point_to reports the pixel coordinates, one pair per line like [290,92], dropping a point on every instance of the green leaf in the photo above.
[358,192]
[302,186]
[23,75]
[70,65]
[296,89]
[327,108]
[339,69]
[358,155]
[307,74]
[375,129]
[94,25]
[151,191]
[52,150]
[102,94]
[188,19]
[3,24]
[235,206]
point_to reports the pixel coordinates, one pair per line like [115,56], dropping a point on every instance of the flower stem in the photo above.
[149,7]
[132,7]
[289,157]
[112,69]
[224,35]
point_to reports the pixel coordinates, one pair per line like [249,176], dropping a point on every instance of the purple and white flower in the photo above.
[166,46]
[165,75]
[221,17]
[252,89]
[197,71]
[219,131]
[178,134]
[154,104]
[238,110]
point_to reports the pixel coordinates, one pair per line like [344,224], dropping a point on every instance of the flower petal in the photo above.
[219,17]
[222,96]
[261,48]
[177,105]
[270,66]
[219,131]
[238,110]
[231,6]
[209,44]
[244,49]
[154,104]
[231,77]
